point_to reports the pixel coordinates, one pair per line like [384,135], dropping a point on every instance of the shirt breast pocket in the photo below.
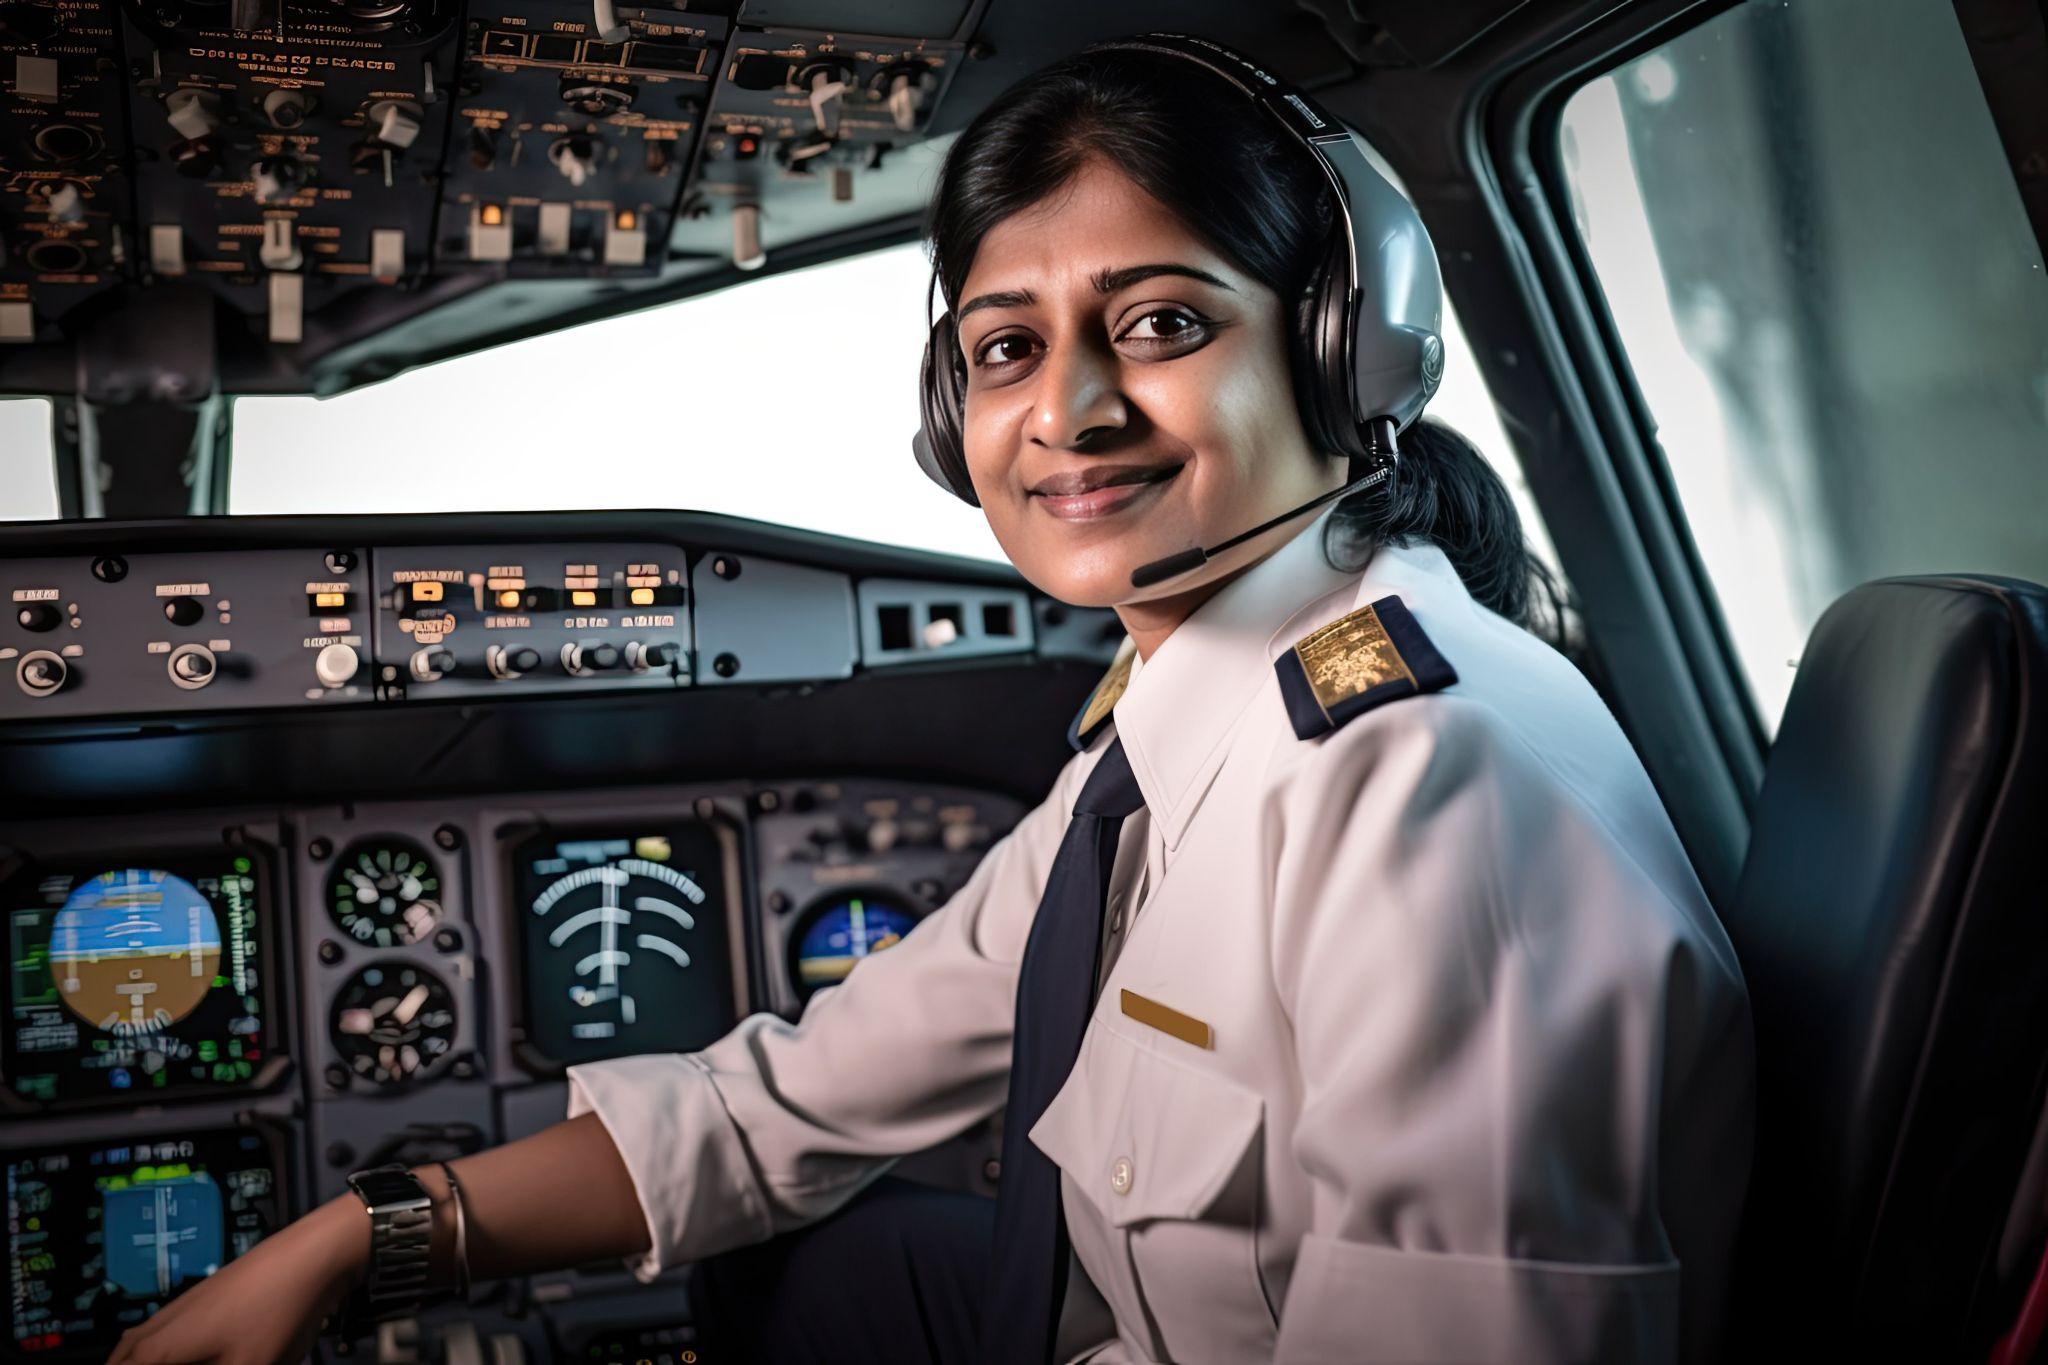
[1167,1154]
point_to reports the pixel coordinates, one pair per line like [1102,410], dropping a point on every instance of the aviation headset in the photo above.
[1371,317]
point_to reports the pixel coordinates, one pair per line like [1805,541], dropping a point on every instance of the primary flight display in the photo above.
[136,980]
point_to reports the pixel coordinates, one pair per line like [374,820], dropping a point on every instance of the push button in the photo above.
[1121,1174]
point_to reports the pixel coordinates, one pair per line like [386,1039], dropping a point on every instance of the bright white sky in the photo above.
[791,399]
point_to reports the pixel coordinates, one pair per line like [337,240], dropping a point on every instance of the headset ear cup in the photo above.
[942,400]
[1325,380]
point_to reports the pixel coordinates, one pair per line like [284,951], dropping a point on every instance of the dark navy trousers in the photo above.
[896,1276]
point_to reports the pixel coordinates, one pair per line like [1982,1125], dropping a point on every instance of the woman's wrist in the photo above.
[341,1230]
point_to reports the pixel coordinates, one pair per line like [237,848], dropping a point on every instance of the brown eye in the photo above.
[1166,333]
[1004,350]
[1161,324]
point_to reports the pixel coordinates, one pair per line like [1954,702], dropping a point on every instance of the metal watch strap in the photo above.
[401,1233]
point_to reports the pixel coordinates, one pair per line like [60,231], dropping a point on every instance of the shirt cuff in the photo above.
[682,1150]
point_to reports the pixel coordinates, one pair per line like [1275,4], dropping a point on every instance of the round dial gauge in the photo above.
[393,1021]
[385,893]
[834,936]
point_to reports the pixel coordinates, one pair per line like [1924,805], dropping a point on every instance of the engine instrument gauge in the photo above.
[628,943]
[392,1022]
[384,892]
[833,936]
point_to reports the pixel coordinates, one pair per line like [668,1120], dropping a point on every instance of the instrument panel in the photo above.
[212,1018]
[321,168]
[117,629]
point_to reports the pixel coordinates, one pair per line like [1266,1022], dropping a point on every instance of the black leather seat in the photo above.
[1892,921]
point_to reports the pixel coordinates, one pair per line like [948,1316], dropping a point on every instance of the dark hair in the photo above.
[1231,174]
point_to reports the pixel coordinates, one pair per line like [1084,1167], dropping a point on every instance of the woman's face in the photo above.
[1128,396]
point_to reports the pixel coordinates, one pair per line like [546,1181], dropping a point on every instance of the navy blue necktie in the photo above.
[1055,994]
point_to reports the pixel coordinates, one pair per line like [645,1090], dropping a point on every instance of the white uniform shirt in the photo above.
[1478,1078]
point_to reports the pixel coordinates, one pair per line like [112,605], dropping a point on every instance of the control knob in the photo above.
[580,661]
[38,616]
[509,661]
[66,203]
[655,657]
[275,179]
[431,664]
[41,673]
[195,114]
[192,666]
[183,611]
[575,157]
[287,109]
[335,664]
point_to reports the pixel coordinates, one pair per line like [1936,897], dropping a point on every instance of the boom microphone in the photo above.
[1173,566]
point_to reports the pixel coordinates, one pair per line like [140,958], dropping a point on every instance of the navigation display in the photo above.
[629,942]
[101,1235]
[135,981]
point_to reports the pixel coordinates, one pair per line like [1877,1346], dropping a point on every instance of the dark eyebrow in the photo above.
[1005,298]
[1109,281]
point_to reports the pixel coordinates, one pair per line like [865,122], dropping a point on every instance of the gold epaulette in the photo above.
[1376,654]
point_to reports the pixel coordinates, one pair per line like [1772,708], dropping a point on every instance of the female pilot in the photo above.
[1350,993]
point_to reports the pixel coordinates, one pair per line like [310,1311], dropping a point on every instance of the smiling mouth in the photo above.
[1098,491]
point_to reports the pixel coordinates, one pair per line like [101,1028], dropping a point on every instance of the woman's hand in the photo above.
[262,1307]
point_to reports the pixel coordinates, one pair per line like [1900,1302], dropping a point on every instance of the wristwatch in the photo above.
[401,1230]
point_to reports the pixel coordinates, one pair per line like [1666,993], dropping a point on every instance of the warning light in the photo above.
[492,215]
[330,599]
[625,220]
[426,592]
[643,597]
[582,597]
[653,847]
[509,598]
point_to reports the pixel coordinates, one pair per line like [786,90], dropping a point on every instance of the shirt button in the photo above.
[1120,1175]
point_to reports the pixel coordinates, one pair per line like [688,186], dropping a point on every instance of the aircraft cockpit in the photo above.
[472,608]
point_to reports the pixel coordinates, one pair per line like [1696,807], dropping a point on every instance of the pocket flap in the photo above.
[1146,1135]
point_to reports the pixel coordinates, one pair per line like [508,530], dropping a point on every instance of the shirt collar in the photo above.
[1179,706]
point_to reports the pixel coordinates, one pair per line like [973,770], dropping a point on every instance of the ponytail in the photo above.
[1446,493]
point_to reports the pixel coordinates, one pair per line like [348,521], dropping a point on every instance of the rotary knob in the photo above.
[195,114]
[432,664]
[38,616]
[650,658]
[193,666]
[41,673]
[335,664]
[580,661]
[287,109]
[508,662]
[275,179]
[576,157]
[66,203]
[183,611]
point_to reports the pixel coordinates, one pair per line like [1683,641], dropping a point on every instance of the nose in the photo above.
[1079,399]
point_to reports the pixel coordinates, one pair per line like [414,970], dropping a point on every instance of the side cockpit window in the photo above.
[1817,261]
